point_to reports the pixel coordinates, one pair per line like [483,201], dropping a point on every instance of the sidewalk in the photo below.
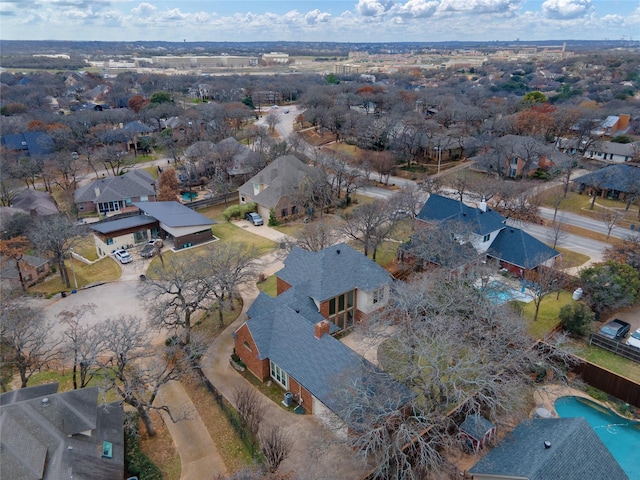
[199,456]
[315,453]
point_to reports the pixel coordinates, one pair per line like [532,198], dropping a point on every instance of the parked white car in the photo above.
[634,339]
[123,256]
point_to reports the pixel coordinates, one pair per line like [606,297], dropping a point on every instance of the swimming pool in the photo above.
[620,435]
[499,292]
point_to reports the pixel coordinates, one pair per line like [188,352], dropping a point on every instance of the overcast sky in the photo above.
[319,20]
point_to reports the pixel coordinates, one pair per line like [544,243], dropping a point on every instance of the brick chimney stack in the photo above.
[322,327]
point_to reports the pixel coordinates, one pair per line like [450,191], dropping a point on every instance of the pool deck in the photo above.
[546,396]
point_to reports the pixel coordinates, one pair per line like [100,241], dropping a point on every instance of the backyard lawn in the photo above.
[547,315]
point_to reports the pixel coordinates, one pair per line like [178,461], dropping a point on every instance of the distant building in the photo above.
[275,57]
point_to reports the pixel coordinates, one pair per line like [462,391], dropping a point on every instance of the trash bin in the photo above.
[63,294]
[577,294]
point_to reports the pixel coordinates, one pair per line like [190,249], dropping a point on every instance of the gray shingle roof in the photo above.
[476,426]
[48,441]
[174,214]
[110,226]
[442,209]
[282,177]
[621,177]
[42,202]
[30,143]
[519,248]
[136,183]
[289,340]
[576,453]
[293,298]
[332,271]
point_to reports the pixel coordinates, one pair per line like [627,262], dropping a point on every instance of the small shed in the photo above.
[475,431]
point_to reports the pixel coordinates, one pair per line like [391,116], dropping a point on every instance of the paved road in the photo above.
[585,222]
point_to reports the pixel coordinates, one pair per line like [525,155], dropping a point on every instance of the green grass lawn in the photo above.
[105,270]
[580,204]
[64,378]
[572,259]
[608,360]
[269,286]
[547,315]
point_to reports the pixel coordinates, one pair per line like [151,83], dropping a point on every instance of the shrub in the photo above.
[238,211]
[136,462]
[576,319]
[273,221]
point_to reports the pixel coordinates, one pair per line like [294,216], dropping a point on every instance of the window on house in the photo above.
[342,309]
[40,269]
[27,278]
[246,345]
[485,239]
[109,241]
[378,295]
[294,210]
[285,212]
[279,375]
[144,198]
[242,199]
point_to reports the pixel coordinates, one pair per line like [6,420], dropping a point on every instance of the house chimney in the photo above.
[96,190]
[321,328]
[483,205]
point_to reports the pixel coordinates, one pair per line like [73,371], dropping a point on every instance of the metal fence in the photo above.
[250,442]
[615,346]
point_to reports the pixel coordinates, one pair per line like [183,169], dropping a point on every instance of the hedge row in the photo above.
[136,462]
[238,211]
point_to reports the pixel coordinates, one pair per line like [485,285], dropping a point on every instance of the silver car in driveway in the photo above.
[123,256]
[634,339]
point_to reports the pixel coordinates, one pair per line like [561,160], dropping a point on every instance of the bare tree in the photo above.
[250,407]
[272,119]
[316,236]
[55,235]
[28,344]
[227,266]
[83,343]
[543,281]
[136,370]
[275,445]
[369,224]
[610,218]
[558,232]
[174,291]
[451,346]
[15,249]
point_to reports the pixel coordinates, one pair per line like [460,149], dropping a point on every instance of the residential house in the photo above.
[345,286]
[276,187]
[115,194]
[619,182]
[136,132]
[550,448]
[171,221]
[613,125]
[523,155]
[27,144]
[48,435]
[605,151]
[32,270]
[35,203]
[288,339]
[486,231]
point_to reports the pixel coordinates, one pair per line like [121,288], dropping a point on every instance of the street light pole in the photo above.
[439,150]
[73,270]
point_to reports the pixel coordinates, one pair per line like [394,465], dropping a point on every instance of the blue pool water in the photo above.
[620,435]
[188,196]
[500,293]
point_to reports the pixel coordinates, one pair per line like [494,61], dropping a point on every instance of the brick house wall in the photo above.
[247,350]
[300,392]
[282,286]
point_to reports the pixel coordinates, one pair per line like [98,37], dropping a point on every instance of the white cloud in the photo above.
[566,9]
[315,17]
[480,6]
[144,9]
[373,8]
[416,8]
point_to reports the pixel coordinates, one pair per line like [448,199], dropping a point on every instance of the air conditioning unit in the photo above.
[288,399]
